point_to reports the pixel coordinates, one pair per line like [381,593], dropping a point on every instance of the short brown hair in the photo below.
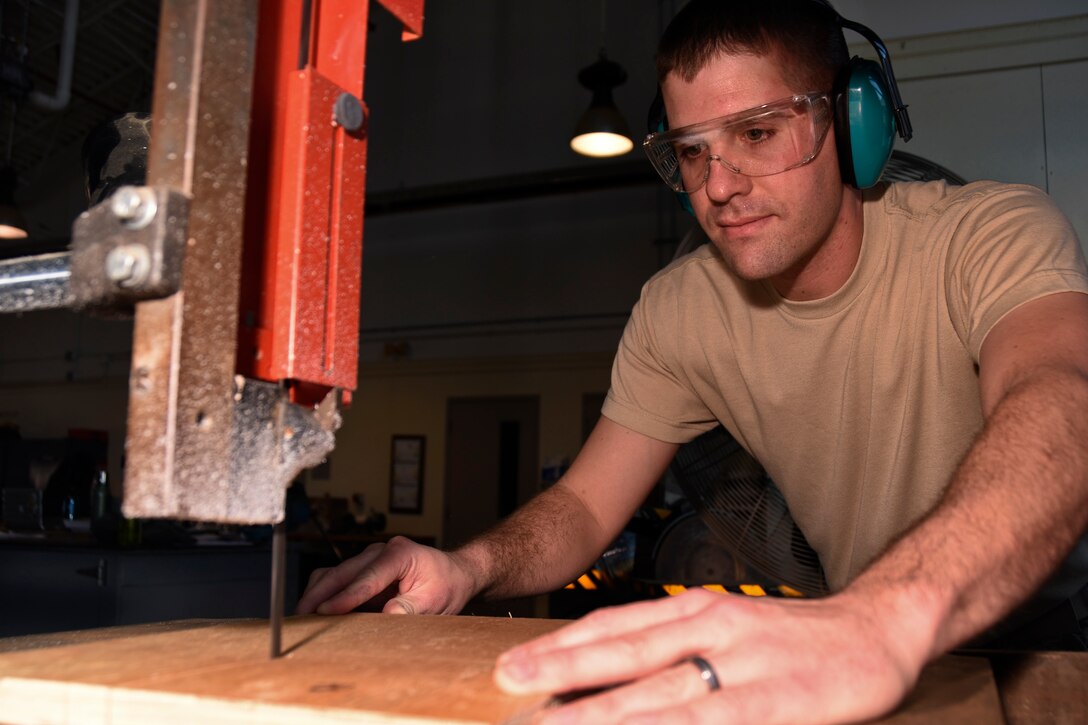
[805,32]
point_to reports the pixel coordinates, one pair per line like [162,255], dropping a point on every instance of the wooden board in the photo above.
[952,690]
[1043,688]
[359,668]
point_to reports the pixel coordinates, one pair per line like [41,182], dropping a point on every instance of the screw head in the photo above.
[128,265]
[348,112]
[134,205]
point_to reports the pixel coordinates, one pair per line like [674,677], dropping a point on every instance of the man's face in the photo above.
[788,228]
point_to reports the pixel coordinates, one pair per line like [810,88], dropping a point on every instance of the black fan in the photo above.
[741,505]
[729,489]
[908,167]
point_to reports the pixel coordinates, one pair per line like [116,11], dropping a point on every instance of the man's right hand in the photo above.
[423,581]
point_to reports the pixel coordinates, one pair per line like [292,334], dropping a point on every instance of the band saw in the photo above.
[240,258]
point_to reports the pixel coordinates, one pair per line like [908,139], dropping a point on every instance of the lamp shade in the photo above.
[602,130]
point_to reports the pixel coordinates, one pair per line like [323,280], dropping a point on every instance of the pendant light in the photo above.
[602,131]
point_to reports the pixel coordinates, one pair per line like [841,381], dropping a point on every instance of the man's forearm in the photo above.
[1016,505]
[556,536]
[540,547]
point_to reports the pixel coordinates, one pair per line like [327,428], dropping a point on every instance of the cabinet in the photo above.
[53,588]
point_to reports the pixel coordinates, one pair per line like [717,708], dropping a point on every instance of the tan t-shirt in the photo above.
[861,404]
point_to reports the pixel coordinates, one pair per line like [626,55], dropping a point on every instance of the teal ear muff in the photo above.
[685,203]
[868,110]
[864,123]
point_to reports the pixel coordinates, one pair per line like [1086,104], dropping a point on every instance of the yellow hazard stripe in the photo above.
[751,590]
[589,582]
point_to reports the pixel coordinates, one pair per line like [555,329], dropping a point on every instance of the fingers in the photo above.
[618,621]
[315,576]
[400,577]
[336,590]
[663,694]
[678,695]
[603,655]
[763,702]
[787,662]
[431,582]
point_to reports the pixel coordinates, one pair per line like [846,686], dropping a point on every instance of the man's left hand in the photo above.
[776,661]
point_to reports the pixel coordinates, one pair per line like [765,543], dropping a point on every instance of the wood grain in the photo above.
[359,668]
[1043,688]
[953,689]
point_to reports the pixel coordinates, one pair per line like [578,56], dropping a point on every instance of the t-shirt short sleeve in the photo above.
[1008,248]
[651,392]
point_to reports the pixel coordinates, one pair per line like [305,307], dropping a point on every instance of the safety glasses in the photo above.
[761,141]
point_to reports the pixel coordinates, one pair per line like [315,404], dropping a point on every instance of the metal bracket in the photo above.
[268,442]
[129,248]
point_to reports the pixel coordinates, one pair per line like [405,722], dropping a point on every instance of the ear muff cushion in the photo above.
[685,203]
[864,123]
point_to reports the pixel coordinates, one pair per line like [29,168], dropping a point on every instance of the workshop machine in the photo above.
[240,258]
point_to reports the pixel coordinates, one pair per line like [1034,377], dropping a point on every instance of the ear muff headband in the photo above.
[868,111]
[898,108]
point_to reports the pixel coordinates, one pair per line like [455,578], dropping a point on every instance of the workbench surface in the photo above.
[371,668]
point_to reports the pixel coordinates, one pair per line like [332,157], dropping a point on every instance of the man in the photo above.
[910,363]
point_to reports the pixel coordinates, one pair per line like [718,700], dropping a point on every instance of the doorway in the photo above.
[491,467]
[491,462]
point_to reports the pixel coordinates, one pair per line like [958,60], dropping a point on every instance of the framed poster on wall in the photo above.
[406,474]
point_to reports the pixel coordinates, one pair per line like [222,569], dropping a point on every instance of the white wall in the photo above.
[893,19]
[1006,103]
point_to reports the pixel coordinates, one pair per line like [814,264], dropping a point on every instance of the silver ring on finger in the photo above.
[706,672]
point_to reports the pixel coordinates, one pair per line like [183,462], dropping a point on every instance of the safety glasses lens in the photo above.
[764,141]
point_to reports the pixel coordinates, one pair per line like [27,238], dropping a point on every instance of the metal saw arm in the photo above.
[237,376]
